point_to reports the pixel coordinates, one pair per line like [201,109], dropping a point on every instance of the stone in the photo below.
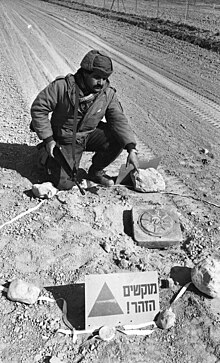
[55,360]
[166,319]
[106,246]
[37,357]
[206,275]
[147,180]
[23,292]
[106,333]
[44,191]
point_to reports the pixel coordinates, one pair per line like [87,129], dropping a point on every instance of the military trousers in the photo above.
[101,141]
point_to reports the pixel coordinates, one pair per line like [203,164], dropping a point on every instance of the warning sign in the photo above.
[105,304]
[121,298]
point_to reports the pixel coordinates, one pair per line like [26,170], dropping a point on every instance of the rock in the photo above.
[166,319]
[206,275]
[106,333]
[55,360]
[44,190]
[106,246]
[167,283]
[147,180]
[22,291]
[124,263]
[37,357]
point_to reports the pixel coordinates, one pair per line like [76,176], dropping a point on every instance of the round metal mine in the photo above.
[156,222]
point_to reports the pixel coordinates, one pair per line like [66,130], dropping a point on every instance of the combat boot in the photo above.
[99,177]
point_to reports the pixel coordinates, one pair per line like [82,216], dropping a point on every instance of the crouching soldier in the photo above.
[77,103]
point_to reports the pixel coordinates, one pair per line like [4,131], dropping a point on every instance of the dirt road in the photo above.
[170,93]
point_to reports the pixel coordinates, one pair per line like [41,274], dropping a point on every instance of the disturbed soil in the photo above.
[169,89]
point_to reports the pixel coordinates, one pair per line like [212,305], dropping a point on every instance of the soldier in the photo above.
[78,103]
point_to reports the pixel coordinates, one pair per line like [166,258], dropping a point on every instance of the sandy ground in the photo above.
[169,90]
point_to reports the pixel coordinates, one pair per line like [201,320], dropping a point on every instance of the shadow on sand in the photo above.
[74,295]
[23,159]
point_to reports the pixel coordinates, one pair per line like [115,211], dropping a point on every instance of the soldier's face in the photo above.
[95,82]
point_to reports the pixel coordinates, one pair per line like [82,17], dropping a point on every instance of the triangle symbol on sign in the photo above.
[105,304]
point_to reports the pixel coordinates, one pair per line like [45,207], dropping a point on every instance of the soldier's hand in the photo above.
[133,159]
[49,147]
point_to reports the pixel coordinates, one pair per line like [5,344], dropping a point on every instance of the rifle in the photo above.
[60,158]
[58,155]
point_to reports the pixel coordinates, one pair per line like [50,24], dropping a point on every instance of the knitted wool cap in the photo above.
[97,61]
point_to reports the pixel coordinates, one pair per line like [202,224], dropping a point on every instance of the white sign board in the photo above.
[121,298]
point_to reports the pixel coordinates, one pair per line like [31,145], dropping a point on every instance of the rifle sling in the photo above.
[75,126]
